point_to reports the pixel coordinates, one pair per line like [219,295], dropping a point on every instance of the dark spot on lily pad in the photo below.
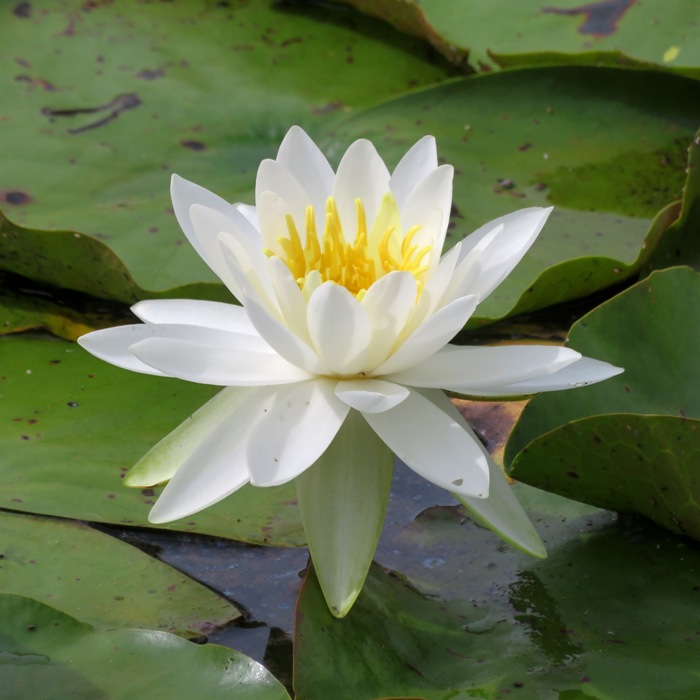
[193,145]
[23,10]
[15,197]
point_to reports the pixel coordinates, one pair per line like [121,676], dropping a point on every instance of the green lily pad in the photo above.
[105,582]
[113,98]
[607,148]
[73,426]
[630,443]
[487,34]
[612,613]
[47,654]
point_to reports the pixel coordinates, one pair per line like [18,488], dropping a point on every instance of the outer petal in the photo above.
[206,363]
[218,466]
[487,259]
[437,331]
[303,159]
[194,312]
[578,374]
[472,369]
[161,462]
[339,329]
[370,395]
[298,424]
[184,195]
[414,167]
[343,499]
[434,444]
[292,302]
[361,175]
[500,512]
[274,177]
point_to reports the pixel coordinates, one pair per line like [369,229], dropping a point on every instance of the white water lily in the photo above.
[339,355]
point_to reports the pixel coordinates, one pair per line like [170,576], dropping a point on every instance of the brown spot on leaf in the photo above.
[15,197]
[150,74]
[23,10]
[193,145]
[600,18]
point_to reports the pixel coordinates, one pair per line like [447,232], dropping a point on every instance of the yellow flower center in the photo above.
[357,265]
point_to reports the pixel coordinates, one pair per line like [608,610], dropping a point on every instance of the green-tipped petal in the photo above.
[501,512]
[161,462]
[343,498]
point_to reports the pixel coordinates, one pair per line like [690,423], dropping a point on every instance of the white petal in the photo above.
[470,369]
[250,214]
[578,374]
[303,159]
[112,345]
[194,312]
[388,303]
[370,395]
[434,192]
[482,267]
[298,424]
[500,512]
[434,444]
[415,166]
[272,212]
[339,329]
[282,339]
[274,177]
[290,298]
[163,460]
[361,175]
[216,365]
[432,335]
[342,500]
[218,466]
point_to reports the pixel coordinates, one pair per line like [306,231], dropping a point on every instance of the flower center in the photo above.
[354,265]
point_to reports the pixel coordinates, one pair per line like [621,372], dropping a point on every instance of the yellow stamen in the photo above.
[349,264]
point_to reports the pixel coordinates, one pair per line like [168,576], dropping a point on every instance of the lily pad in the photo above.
[114,97]
[487,34]
[566,627]
[47,654]
[105,582]
[630,443]
[73,426]
[607,148]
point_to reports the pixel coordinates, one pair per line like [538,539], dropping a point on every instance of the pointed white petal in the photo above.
[274,177]
[361,175]
[434,444]
[290,298]
[434,192]
[432,335]
[184,194]
[487,259]
[470,370]
[216,365]
[250,214]
[343,499]
[112,345]
[218,466]
[193,312]
[578,374]
[299,423]
[370,395]
[272,212]
[500,512]
[388,303]
[414,167]
[303,159]
[161,462]
[282,339]
[339,329]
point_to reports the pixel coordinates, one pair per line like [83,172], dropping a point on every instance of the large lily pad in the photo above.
[73,426]
[607,148]
[505,625]
[631,443]
[102,101]
[486,34]
[103,581]
[47,654]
